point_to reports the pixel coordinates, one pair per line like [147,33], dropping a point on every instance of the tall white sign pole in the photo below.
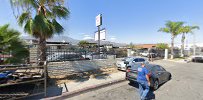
[98,24]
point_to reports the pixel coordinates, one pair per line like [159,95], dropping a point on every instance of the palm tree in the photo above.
[39,18]
[184,30]
[172,28]
[11,45]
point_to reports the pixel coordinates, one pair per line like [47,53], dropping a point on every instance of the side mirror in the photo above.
[126,62]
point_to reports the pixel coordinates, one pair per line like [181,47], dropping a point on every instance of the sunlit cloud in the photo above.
[86,36]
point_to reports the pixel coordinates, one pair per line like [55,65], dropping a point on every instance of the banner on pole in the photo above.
[99,20]
[102,35]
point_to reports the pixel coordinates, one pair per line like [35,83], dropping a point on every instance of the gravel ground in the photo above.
[186,84]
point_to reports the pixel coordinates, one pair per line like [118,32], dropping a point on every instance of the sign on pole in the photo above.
[99,20]
[102,35]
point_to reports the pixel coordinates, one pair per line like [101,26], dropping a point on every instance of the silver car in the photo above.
[133,61]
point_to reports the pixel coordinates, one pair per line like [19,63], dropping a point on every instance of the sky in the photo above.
[125,21]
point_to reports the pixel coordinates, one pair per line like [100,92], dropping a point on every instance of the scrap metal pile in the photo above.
[20,81]
[20,75]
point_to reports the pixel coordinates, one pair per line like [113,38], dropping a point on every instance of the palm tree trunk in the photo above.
[172,46]
[42,50]
[182,46]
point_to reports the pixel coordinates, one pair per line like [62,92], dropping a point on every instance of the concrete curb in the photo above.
[86,89]
[178,61]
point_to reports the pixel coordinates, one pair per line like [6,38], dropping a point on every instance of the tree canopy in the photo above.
[39,18]
[83,43]
[172,27]
[162,46]
[12,45]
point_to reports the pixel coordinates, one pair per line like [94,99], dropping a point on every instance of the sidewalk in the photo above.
[72,86]
[177,60]
[78,86]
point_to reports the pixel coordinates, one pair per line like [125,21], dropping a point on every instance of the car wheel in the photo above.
[131,82]
[169,78]
[156,85]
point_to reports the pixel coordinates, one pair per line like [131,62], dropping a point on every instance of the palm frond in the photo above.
[40,23]
[164,30]
[4,28]
[24,17]
[28,26]
[57,27]
[60,12]
[195,27]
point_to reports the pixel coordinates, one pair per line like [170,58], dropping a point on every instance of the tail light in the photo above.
[150,74]
[128,70]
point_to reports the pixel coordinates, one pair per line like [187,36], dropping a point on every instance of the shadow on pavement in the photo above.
[150,94]
[22,90]
[52,91]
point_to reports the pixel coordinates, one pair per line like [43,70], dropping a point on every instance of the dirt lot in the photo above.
[104,71]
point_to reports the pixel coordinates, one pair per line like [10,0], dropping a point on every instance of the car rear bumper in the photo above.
[131,79]
[135,80]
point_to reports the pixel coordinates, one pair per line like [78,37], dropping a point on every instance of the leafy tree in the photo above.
[83,44]
[162,46]
[184,30]
[11,44]
[172,28]
[131,46]
[39,19]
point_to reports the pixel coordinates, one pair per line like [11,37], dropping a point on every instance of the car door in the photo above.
[159,73]
[134,62]
[165,74]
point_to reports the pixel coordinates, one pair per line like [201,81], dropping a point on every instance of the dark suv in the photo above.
[158,74]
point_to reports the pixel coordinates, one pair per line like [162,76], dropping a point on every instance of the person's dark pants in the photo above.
[143,89]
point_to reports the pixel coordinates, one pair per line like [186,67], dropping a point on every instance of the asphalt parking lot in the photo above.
[186,84]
